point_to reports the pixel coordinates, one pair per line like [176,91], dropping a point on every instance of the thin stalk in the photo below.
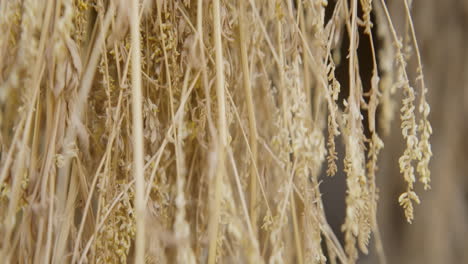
[418,53]
[138,148]
[250,229]
[297,236]
[206,85]
[251,113]
[222,140]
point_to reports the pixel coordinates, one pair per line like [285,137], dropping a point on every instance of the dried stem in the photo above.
[222,139]
[138,148]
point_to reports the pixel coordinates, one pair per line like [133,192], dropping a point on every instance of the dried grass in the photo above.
[198,131]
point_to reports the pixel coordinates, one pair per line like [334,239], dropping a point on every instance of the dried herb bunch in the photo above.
[198,131]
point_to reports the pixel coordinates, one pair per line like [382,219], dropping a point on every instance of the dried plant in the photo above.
[198,131]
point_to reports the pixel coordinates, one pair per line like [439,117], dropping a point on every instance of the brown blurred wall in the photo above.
[439,233]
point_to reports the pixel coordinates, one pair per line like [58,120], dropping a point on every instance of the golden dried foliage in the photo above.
[198,131]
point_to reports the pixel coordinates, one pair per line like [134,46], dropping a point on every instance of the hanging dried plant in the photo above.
[198,131]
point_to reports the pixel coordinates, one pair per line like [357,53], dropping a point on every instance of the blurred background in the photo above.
[439,232]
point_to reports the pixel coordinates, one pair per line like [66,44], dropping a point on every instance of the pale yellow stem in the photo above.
[222,140]
[138,148]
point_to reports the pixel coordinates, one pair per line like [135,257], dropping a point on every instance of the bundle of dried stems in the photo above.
[198,131]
